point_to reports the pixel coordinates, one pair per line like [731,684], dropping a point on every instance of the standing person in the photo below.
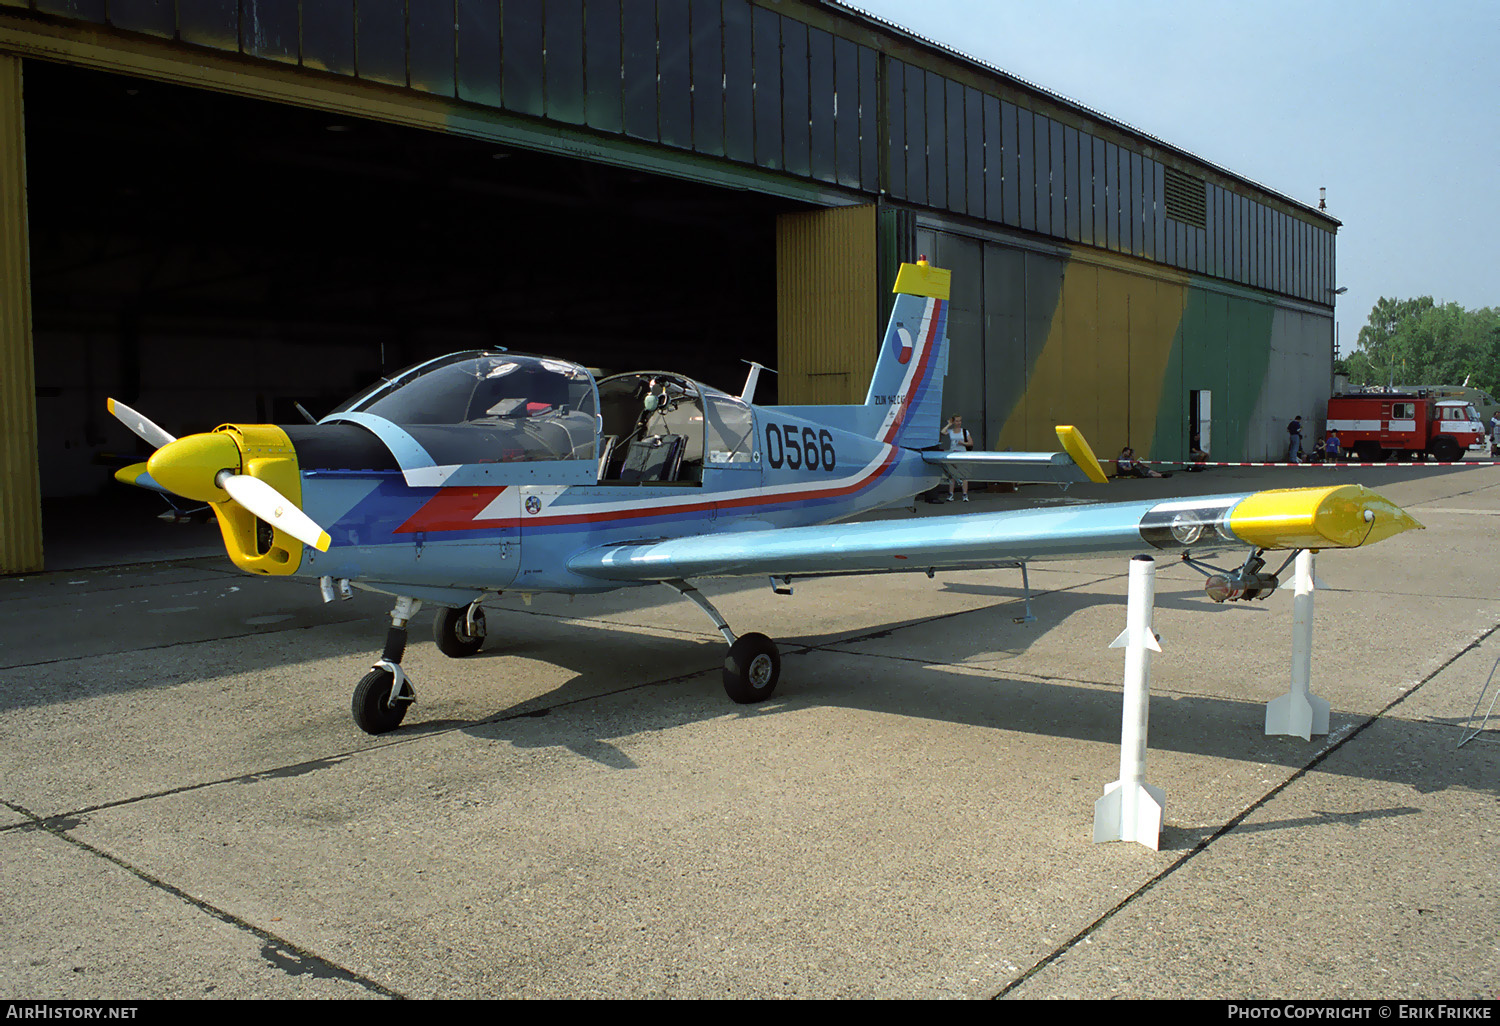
[1333,446]
[1294,440]
[1494,433]
[958,441]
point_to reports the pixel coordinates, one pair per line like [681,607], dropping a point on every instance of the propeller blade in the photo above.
[140,424]
[274,508]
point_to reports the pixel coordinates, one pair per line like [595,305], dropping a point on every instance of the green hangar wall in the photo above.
[788,153]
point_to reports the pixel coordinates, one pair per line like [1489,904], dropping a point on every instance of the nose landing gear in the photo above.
[382,696]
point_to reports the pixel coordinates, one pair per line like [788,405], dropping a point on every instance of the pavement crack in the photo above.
[278,951]
[1334,743]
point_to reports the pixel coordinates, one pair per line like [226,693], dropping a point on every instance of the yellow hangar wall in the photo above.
[1103,364]
[20,495]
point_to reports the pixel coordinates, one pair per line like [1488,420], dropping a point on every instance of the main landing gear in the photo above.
[459,632]
[752,666]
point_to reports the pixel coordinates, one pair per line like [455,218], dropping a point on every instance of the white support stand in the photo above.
[1131,809]
[1298,712]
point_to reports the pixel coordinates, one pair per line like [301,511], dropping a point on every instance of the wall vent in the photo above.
[1186,199]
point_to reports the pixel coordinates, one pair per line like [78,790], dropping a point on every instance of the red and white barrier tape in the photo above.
[1325,463]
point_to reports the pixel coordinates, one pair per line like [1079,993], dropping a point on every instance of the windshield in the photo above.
[469,387]
[536,408]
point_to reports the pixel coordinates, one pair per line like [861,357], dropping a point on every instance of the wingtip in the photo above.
[132,474]
[1341,516]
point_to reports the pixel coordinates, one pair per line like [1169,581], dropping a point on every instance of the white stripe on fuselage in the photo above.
[496,511]
[918,350]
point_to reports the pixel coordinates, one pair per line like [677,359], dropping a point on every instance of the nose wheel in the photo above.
[383,695]
[381,699]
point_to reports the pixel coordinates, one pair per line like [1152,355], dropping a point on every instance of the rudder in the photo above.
[908,378]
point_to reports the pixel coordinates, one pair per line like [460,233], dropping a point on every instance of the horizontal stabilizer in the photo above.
[1075,464]
[1011,467]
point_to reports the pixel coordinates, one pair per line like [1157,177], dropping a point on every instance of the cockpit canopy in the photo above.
[496,407]
[525,407]
[466,388]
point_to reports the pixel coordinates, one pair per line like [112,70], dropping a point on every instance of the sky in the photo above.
[1392,105]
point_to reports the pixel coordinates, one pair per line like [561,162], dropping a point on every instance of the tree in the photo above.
[1416,341]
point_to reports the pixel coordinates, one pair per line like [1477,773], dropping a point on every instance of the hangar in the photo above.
[217,209]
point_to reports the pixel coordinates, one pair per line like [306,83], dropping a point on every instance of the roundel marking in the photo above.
[906,345]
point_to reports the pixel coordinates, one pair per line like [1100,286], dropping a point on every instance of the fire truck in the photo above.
[1378,426]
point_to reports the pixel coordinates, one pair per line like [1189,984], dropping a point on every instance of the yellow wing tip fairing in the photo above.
[922,279]
[1339,517]
[1076,446]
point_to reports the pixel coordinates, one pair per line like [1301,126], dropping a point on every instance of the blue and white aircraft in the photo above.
[490,471]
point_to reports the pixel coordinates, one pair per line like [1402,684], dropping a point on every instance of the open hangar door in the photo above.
[211,258]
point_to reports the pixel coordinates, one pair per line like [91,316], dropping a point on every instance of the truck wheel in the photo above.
[1445,450]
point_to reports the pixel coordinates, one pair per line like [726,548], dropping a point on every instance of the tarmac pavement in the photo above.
[187,810]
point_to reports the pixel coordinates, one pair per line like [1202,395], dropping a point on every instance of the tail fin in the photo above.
[908,379]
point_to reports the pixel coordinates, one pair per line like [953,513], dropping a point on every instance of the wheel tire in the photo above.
[751,669]
[371,714]
[450,631]
[1445,450]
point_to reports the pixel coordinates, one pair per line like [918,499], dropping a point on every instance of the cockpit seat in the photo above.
[656,458]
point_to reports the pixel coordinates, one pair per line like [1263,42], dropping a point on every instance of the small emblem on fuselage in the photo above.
[533,504]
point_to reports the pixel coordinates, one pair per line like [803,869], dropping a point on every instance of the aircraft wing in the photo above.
[1345,516]
[1075,463]
[137,475]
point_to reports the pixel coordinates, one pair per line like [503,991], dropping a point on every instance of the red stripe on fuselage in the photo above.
[456,512]
[454,509]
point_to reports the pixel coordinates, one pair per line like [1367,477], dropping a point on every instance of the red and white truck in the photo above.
[1378,426]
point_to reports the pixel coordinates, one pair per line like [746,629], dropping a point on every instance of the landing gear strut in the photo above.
[382,695]
[753,665]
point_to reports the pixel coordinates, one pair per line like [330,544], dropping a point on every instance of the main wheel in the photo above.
[371,713]
[450,629]
[751,669]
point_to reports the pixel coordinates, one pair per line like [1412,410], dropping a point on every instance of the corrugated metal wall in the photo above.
[820,98]
[959,148]
[827,305]
[20,495]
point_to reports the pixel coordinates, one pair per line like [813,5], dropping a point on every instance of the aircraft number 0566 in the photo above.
[786,445]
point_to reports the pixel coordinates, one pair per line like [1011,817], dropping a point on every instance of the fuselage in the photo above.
[518,529]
